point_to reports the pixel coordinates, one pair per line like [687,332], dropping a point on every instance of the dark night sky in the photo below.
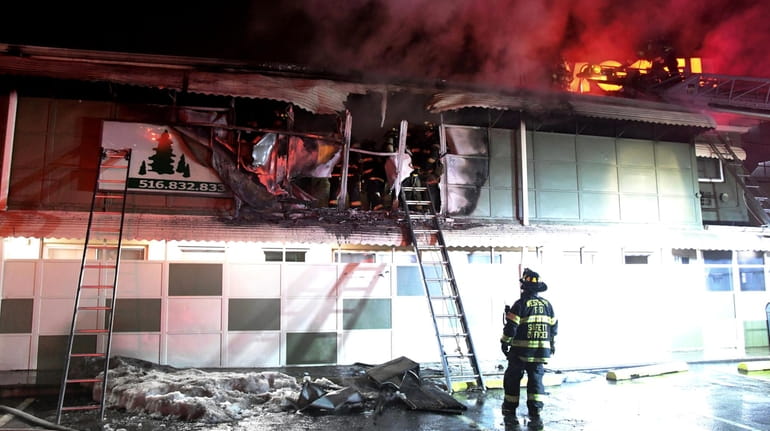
[498,42]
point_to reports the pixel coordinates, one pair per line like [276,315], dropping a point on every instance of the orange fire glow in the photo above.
[611,75]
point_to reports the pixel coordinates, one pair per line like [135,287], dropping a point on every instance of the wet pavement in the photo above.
[709,396]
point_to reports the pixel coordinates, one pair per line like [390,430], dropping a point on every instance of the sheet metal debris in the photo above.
[394,382]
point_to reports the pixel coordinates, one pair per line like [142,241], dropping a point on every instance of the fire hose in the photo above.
[33,419]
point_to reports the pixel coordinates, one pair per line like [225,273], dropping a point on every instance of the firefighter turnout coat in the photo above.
[530,328]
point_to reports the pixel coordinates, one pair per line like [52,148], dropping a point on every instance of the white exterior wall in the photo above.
[609,314]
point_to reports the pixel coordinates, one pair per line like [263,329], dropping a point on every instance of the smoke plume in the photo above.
[514,42]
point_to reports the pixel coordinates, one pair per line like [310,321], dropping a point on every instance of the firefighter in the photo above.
[424,149]
[527,342]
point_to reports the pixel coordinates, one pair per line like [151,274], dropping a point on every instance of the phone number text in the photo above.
[176,185]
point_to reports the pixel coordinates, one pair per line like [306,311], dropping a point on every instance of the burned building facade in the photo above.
[233,255]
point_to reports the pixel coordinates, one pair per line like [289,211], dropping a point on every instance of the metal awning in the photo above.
[383,231]
[320,96]
[705,150]
[613,108]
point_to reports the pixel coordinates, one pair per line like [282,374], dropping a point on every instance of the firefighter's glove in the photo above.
[553,347]
[505,347]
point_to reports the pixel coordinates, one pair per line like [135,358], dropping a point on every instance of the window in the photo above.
[717,257]
[684,256]
[484,257]
[74,251]
[636,257]
[751,271]
[710,170]
[348,256]
[285,255]
[719,275]
[581,257]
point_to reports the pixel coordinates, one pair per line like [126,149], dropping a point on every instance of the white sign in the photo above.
[161,160]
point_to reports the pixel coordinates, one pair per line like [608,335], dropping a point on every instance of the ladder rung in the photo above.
[99,308]
[91,380]
[88,355]
[97,286]
[421,202]
[92,331]
[424,231]
[414,188]
[442,297]
[467,355]
[459,334]
[104,246]
[465,377]
[88,407]
[449,316]
[97,266]
[438,279]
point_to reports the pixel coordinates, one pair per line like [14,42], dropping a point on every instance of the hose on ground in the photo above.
[34,419]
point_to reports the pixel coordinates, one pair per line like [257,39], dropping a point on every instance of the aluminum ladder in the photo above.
[95,300]
[458,356]
[744,95]
[757,201]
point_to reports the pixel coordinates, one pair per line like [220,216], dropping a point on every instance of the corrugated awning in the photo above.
[705,150]
[378,230]
[149,227]
[320,96]
[613,108]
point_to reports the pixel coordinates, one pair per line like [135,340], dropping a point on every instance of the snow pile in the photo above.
[191,394]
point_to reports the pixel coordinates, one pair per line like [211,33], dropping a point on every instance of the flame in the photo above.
[611,75]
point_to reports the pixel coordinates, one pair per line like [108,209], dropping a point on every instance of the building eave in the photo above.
[381,230]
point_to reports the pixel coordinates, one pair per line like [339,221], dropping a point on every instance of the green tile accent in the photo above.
[16,316]
[755,333]
[304,348]
[137,315]
[254,314]
[366,313]
[195,279]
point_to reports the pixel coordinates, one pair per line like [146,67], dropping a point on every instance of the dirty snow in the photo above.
[203,396]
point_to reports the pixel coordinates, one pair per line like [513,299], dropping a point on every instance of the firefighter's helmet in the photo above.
[530,281]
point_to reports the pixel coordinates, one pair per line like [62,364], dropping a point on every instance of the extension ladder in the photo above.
[756,199]
[458,357]
[95,300]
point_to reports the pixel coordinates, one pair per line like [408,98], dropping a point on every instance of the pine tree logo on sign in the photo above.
[161,160]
